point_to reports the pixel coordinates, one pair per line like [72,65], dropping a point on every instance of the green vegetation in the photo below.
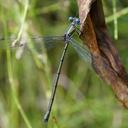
[82,99]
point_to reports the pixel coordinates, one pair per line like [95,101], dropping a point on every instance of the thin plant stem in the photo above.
[22,23]
[117,14]
[115,20]
[13,89]
[11,77]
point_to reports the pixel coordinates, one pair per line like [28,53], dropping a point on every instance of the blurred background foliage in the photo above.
[83,100]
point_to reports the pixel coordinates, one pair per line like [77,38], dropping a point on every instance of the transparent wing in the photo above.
[37,41]
[34,44]
[83,52]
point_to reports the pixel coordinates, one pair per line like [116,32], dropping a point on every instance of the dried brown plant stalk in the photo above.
[105,58]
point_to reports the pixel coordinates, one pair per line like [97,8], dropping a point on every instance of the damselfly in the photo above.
[67,38]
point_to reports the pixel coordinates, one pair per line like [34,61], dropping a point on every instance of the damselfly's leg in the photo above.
[78,31]
[46,117]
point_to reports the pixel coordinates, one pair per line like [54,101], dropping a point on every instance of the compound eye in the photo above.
[77,21]
[70,18]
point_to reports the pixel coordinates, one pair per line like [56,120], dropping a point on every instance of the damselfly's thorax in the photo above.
[72,28]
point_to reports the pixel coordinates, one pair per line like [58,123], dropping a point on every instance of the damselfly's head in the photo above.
[75,20]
